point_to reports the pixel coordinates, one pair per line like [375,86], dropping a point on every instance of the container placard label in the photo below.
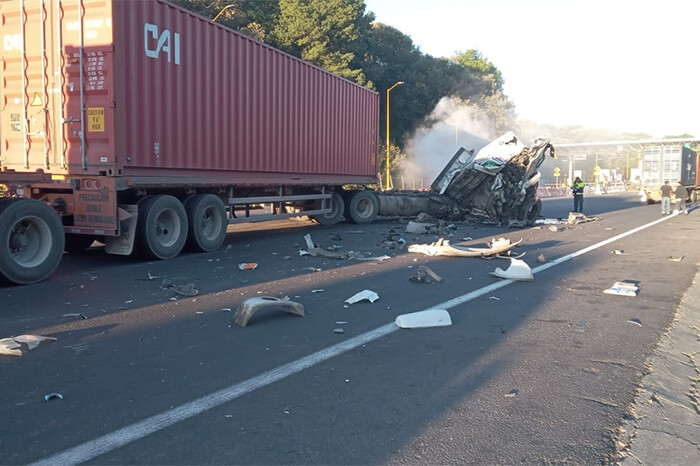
[96,119]
[95,205]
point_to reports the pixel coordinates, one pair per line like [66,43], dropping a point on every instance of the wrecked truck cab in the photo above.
[498,183]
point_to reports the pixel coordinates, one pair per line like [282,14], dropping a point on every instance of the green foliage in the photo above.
[482,69]
[250,17]
[323,32]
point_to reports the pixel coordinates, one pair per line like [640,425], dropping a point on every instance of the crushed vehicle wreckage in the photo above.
[498,183]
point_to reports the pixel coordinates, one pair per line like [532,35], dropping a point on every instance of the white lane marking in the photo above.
[106,443]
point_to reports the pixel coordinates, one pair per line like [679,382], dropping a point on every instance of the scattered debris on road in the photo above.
[53,396]
[541,258]
[79,315]
[368,295]
[248,266]
[338,330]
[185,290]
[623,288]
[250,306]
[518,270]
[575,218]
[442,247]
[512,393]
[424,319]
[425,274]
[635,321]
[12,346]
[618,252]
[675,259]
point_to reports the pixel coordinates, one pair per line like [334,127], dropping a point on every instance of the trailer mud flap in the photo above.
[123,245]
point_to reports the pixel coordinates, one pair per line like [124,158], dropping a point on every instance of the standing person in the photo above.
[681,195]
[577,189]
[666,198]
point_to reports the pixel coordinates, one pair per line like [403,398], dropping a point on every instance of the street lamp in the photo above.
[388,179]
[222,11]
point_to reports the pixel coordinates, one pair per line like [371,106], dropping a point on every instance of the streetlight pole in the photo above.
[388,178]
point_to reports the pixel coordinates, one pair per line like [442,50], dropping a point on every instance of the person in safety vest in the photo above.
[577,189]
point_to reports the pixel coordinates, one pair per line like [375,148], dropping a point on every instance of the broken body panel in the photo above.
[498,183]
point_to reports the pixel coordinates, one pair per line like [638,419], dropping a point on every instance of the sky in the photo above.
[623,65]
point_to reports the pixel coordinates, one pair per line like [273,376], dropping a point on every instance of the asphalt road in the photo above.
[529,372]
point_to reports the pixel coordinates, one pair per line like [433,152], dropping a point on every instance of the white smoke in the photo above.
[451,125]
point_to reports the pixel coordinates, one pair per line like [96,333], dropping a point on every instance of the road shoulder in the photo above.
[664,424]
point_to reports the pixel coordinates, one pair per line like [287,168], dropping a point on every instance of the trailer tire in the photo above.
[363,207]
[161,230]
[78,243]
[31,241]
[331,218]
[207,221]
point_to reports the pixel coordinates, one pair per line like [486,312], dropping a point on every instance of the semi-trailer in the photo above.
[151,128]
[676,164]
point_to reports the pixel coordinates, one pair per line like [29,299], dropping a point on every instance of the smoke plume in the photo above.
[451,125]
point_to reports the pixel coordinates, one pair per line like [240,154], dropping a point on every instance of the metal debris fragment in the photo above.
[675,259]
[53,396]
[425,274]
[185,290]
[635,321]
[248,266]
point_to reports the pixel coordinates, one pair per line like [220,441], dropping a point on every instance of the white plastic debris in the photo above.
[418,228]
[13,346]
[518,270]
[53,396]
[368,295]
[424,319]
[623,288]
[251,305]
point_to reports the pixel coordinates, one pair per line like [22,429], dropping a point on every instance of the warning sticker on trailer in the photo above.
[95,205]
[96,119]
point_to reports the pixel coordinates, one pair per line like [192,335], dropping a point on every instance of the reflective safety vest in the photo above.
[577,188]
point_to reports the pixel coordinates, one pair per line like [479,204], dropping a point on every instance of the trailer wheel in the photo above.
[531,210]
[78,243]
[31,241]
[161,230]
[207,220]
[337,209]
[362,208]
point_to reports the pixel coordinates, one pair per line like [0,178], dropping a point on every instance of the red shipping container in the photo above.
[163,92]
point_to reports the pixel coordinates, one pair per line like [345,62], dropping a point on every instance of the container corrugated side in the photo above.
[168,93]
[192,96]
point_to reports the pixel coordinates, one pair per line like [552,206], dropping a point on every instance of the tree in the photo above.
[252,18]
[482,69]
[323,32]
